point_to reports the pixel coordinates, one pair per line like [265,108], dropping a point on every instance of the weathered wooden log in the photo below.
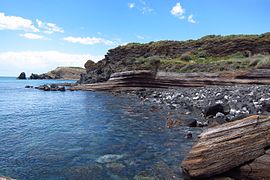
[227,146]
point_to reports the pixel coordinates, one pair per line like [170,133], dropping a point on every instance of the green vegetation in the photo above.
[199,63]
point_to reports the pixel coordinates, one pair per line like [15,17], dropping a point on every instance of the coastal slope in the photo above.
[68,73]
[207,54]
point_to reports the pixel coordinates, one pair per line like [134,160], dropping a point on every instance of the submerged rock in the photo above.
[109,158]
[28,86]
[115,167]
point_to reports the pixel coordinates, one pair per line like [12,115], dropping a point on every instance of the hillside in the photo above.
[70,73]
[207,54]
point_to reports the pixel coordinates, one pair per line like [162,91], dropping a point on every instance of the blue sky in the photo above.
[37,36]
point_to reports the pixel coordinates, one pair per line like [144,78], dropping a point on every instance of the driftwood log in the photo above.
[234,144]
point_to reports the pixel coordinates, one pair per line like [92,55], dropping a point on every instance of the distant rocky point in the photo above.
[68,73]
[22,76]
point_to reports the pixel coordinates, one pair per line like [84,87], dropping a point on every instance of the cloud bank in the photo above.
[16,23]
[88,40]
[12,63]
[32,36]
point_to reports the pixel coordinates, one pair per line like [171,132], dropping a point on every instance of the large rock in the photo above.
[224,147]
[90,65]
[256,169]
[217,108]
[22,76]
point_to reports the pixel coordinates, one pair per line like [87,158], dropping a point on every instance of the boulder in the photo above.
[90,65]
[227,146]
[217,108]
[22,76]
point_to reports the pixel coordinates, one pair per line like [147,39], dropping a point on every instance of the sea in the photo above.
[85,135]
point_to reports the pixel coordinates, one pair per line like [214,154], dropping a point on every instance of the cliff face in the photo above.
[136,56]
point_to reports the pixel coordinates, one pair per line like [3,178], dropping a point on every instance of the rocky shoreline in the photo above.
[208,105]
[213,108]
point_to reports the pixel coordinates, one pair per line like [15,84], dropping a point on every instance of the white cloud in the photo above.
[32,36]
[142,6]
[89,40]
[190,19]
[146,9]
[16,23]
[178,11]
[140,37]
[131,5]
[12,63]
[49,28]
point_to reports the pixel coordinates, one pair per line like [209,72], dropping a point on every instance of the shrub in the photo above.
[263,62]
[186,56]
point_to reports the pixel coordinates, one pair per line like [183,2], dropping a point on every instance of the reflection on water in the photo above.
[84,135]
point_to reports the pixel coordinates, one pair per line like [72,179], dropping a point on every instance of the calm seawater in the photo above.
[83,135]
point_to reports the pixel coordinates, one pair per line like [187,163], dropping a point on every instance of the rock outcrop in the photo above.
[41,76]
[22,76]
[136,56]
[132,80]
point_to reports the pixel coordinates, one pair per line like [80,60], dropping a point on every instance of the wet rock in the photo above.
[94,171]
[51,88]
[43,87]
[189,135]
[27,86]
[22,76]
[192,123]
[266,106]
[109,158]
[115,167]
[172,123]
[217,108]
[202,124]
[143,176]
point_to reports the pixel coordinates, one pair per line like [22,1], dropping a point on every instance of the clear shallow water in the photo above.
[82,135]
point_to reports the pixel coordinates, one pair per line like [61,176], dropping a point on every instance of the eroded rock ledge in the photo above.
[130,80]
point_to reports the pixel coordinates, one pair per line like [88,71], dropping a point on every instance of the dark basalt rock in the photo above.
[22,76]
[217,108]
[41,76]
[51,87]
[266,106]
